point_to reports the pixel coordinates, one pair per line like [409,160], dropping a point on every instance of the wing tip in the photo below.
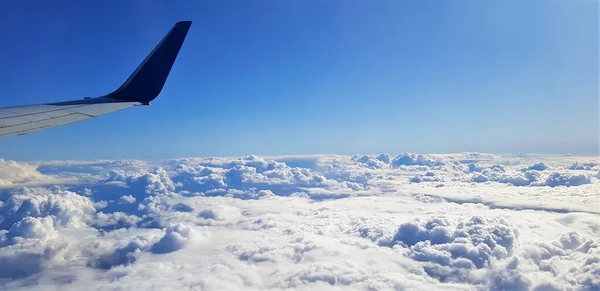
[147,81]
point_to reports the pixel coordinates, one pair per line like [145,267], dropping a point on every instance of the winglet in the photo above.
[147,81]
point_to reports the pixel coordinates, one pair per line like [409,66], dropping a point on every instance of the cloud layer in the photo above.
[469,221]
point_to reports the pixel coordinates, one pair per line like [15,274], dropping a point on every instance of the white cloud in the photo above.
[176,237]
[562,179]
[467,221]
[126,199]
[66,208]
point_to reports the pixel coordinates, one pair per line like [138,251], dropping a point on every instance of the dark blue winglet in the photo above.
[147,81]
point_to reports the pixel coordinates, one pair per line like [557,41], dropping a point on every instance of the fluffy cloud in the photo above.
[467,221]
[540,166]
[583,166]
[66,208]
[13,174]
[176,237]
[562,179]
[404,159]
[456,251]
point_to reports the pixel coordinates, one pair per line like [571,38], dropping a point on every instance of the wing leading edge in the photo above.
[142,86]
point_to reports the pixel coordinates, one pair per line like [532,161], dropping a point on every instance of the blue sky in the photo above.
[296,77]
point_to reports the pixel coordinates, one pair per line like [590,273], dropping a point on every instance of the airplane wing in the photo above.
[142,86]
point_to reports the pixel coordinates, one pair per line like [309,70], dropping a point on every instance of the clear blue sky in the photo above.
[297,77]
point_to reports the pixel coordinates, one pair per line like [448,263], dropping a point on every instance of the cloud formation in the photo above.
[469,221]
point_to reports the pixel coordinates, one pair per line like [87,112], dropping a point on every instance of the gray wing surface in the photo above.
[142,86]
[25,119]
